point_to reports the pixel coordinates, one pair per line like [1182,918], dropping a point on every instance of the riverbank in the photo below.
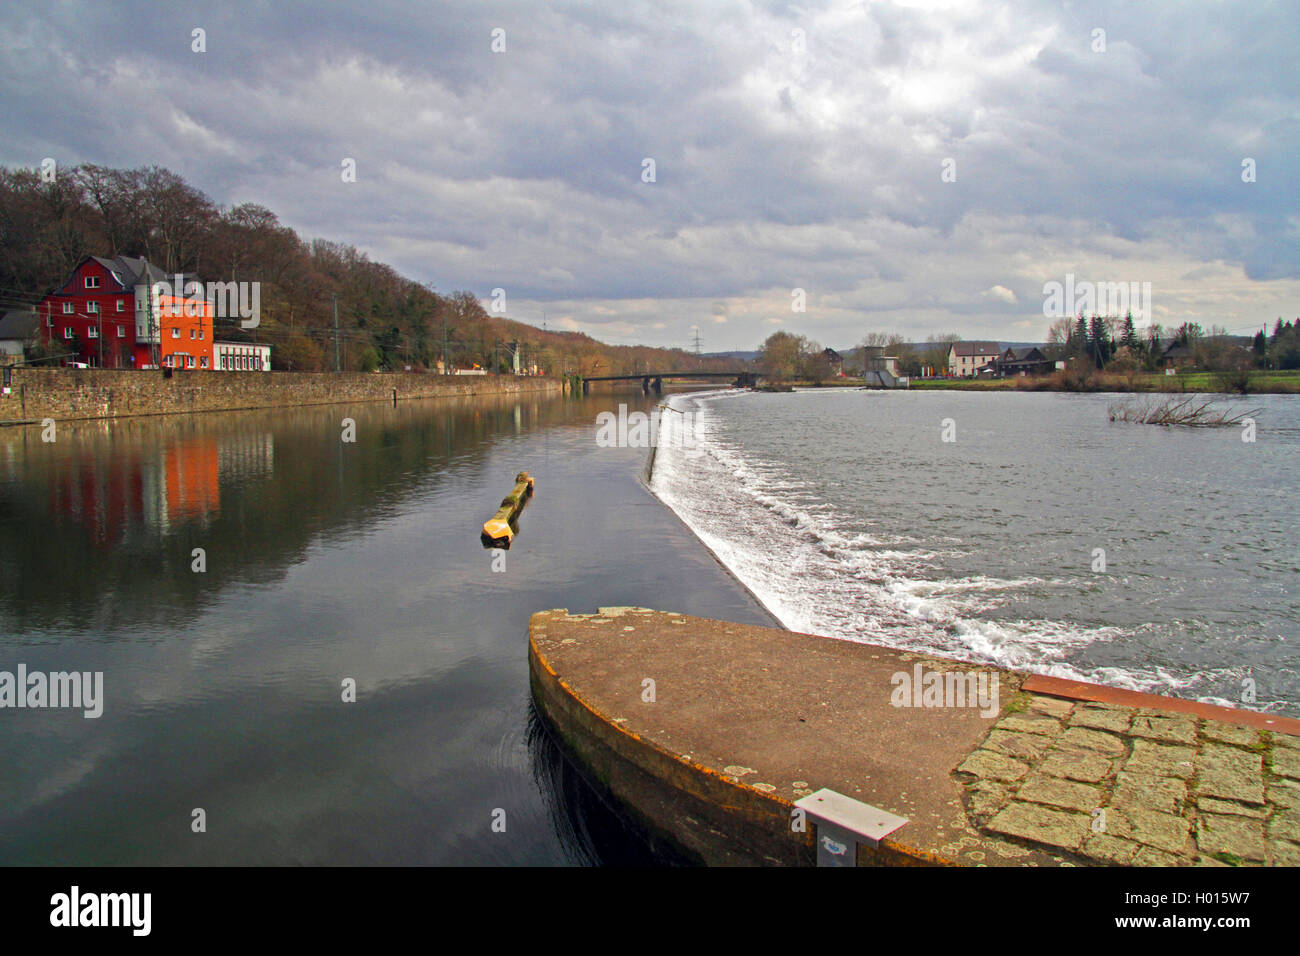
[710,731]
[1259,383]
[68,394]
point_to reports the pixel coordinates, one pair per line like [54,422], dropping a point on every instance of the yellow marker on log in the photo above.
[500,527]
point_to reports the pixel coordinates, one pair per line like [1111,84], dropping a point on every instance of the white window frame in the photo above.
[92,282]
[69,308]
[121,331]
[67,331]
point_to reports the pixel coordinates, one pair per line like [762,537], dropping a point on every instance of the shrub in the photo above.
[1236,381]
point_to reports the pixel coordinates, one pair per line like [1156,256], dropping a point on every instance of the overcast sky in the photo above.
[795,146]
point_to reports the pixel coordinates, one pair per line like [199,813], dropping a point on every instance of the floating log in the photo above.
[501,527]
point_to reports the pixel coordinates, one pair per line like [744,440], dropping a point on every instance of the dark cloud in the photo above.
[777,165]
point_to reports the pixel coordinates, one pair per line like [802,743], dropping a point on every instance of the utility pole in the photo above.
[697,340]
[154,359]
[336,332]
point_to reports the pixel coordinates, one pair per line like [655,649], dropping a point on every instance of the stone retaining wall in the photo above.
[64,394]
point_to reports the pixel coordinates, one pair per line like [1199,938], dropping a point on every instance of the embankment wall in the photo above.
[67,394]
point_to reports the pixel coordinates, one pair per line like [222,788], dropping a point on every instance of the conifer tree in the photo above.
[1099,341]
[1128,338]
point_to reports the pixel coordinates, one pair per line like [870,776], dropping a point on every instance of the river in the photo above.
[325,562]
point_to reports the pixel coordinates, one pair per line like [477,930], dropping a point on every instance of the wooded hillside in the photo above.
[386,320]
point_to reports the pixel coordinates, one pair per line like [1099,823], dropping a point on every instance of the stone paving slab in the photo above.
[1141,788]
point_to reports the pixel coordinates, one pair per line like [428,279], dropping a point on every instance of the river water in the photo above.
[843,513]
[1042,536]
[325,561]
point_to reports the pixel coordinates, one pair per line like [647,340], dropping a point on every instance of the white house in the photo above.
[967,358]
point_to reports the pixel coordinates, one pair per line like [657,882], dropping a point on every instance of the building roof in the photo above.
[1027,354]
[976,348]
[831,354]
[130,272]
[19,324]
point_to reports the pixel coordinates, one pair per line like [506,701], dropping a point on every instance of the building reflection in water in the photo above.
[154,489]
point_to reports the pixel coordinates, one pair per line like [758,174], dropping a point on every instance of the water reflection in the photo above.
[121,506]
[586,821]
[324,559]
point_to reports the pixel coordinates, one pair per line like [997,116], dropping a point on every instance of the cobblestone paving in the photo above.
[1102,784]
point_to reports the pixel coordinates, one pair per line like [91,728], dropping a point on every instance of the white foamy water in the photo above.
[844,516]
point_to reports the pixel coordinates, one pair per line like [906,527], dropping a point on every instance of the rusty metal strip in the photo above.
[1080,690]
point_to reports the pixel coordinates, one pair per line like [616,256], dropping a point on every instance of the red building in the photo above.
[98,315]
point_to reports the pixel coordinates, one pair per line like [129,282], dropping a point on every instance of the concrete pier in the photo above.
[708,732]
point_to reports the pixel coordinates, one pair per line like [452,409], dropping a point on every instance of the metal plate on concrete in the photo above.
[869,824]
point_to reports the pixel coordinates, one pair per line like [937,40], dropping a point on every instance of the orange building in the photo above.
[185,326]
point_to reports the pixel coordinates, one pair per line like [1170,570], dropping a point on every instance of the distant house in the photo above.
[968,358]
[834,361]
[17,328]
[1178,356]
[1024,361]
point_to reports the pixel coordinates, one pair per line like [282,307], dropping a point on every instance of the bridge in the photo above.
[655,380]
